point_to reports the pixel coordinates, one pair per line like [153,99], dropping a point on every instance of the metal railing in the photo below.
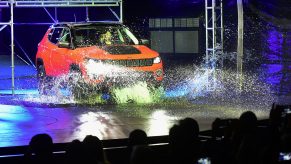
[60,3]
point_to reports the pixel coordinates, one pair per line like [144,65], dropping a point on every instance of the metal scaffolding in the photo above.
[214,29]
[214,36]
[55,4]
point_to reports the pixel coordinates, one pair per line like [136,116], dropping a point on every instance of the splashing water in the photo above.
[198,86]
[129,87]
[138,93]
[194,85]
[182,84]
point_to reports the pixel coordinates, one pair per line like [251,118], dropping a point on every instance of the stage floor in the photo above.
[66,122]
[27,114]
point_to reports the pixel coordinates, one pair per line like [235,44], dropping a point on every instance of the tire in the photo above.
[76,86]
[155,84]
[43,81]
[157,90]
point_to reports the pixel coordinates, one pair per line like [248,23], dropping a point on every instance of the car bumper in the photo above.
[126,79]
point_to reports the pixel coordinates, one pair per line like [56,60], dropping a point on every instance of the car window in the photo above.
[55,35]
[86,37]
[65,36]
[103,35]
[50,34]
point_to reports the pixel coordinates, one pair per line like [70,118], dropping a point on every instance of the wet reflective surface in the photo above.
[19,123]
[186,93]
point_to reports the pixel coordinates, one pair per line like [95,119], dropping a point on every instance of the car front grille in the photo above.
[131,62]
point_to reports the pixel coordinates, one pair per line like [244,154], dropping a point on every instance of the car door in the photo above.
[52,46]
[59,56]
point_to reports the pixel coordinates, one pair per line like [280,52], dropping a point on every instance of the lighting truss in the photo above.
[214,37]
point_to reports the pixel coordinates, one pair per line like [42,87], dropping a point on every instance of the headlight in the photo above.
[93,67]
[92,61]
[157,60]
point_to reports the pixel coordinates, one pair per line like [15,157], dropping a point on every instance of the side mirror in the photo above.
[145,42]
[64,45]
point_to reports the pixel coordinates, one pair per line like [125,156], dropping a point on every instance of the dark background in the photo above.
[137,14]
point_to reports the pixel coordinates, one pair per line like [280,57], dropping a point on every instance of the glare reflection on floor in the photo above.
[93,124]
[160,123]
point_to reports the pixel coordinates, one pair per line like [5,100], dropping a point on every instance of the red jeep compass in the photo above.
[99,52]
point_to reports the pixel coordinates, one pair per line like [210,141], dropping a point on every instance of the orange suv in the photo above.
[102,53]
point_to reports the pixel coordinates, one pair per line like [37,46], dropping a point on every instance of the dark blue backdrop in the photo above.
[136,15]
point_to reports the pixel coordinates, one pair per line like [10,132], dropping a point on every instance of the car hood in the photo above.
[118,52]
[121,50]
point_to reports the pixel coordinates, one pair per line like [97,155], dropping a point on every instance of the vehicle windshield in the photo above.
[103,35]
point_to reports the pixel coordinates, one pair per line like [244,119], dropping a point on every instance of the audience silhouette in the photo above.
[232,141]
[245,141]
[142,154]
[137,137]
[93,150]
[74,152]
[184,142]
[41,145]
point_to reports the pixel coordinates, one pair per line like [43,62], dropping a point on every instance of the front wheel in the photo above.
[157,91]
[44,85]
[77,87]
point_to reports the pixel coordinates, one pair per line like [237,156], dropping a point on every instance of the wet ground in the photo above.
[65,122]
[185,94]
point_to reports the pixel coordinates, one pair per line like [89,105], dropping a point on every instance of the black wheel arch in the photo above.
[75,67]
[39,61]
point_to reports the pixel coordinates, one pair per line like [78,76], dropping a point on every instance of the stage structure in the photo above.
[13,4]
[214,38]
